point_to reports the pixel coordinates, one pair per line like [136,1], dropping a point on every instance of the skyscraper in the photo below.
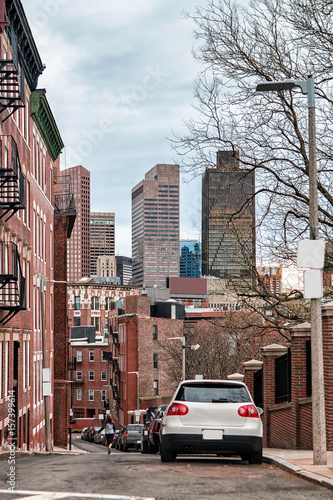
[228,220]
[155,226]
[190,259]
[102,237]
[78,245]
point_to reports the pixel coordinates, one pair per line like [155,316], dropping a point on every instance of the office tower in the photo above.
[228,220]
[190,259]
[106,266]
[102,237]
[78,246]
[155,227]
[124,269]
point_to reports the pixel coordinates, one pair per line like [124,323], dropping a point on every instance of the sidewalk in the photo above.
[300,463]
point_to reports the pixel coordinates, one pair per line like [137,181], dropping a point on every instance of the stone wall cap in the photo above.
[252,364]
[301,330]
[273,349]
[236,376]
[327,309]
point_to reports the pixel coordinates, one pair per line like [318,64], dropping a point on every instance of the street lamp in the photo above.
[317,363]
[137,388]
[46,371]
[194,347]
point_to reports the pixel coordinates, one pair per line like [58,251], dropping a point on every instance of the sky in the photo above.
[119,79]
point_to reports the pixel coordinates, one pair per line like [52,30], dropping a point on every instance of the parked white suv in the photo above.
[212,416]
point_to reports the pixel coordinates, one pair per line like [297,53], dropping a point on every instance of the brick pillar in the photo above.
[327,319]
[269,353]
[62,225]
[300,334]
[250,368]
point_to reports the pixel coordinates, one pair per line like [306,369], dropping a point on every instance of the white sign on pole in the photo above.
[313,284]
[311,254]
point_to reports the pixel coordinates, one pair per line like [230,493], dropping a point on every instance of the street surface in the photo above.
[132,476]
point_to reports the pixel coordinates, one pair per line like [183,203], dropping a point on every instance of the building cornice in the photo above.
[41,113]
[28,54]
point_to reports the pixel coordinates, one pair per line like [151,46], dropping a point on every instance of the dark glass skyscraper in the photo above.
[190,259]
[228,220]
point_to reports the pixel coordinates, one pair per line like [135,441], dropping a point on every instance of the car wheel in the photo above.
[167,455]
[125,448]
[144,447]
[255,458]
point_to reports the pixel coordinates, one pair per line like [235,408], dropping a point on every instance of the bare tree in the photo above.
[226,342]
[239,46]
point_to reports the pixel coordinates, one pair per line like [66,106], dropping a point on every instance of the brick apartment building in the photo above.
[29,148]
[89,388]
[138,366]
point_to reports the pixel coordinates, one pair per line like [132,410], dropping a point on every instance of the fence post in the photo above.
[269,353]
[250,368]
[327,324]
[300,403]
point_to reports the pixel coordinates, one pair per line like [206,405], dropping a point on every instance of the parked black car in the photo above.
[151,412]
[92,431]
[154,430]
[115,439]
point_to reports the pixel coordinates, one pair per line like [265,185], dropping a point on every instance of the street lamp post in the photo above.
[46,370]
[194,347]
[317,363]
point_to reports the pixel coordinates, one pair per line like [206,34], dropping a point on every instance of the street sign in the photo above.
[311,254]
[313,284]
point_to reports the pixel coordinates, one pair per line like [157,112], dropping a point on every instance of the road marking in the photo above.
[50,495]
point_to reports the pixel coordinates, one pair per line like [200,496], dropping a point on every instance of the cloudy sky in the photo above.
[119,79]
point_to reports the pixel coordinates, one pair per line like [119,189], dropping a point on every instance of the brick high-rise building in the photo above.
[29,155]
[102,237]
[155,226]
[228,220]
[78,259]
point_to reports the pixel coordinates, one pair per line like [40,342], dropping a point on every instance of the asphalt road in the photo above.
[95,474]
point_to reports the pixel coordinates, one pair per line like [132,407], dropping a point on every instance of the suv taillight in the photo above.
[248,411]
[177,409]
[127,434]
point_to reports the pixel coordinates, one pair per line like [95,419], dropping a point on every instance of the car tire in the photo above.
[167,455]
[125,448]
[144,447]
[255,458]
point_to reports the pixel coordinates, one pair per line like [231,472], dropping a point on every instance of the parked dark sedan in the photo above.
[151,412]
[92,431]
[154,430]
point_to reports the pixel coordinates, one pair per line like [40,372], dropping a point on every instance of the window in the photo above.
[95,303]
[91,395]
[91,375]
[155,357]
[79,356]
[78,394]
[77,303]
[78,375]
[103,394]
[95,321]
[103,375]
[155,387]
[91,356]
[108,303]
[77,321]
[154,332]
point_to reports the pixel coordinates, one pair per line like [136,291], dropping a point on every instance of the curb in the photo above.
[298,471]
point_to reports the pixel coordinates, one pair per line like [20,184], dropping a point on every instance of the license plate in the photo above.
[212,434]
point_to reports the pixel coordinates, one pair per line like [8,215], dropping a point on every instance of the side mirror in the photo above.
[260,411]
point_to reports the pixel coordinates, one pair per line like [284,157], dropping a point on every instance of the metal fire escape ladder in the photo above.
[12,289]
[11,75]
[12,181]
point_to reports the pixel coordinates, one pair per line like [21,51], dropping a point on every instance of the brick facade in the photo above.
[289,424]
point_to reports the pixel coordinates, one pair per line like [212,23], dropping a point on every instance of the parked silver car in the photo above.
[212,416]
[130,437]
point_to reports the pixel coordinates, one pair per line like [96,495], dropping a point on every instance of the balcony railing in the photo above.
[12,181]
[12,288]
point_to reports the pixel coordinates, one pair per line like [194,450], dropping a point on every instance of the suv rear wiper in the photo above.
[223,400]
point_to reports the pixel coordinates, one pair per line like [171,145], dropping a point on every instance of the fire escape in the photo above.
[12,181]
[11,77]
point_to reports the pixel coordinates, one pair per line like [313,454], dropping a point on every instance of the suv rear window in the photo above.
[213,392]
[133,427]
